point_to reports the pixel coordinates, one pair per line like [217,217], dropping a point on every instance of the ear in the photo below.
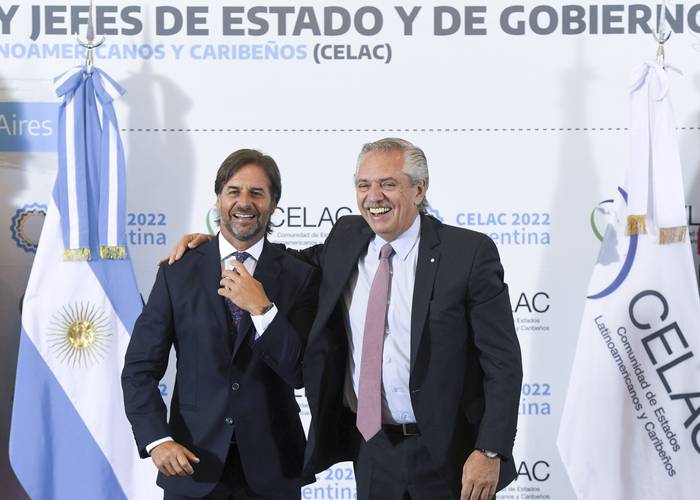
[421,188]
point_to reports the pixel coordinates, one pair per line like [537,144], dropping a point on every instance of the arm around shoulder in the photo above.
[283,344]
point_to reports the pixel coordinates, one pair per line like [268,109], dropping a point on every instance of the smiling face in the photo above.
[245,206]
[385,196]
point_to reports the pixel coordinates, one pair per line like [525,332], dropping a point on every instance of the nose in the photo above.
[374,193]
[244,199]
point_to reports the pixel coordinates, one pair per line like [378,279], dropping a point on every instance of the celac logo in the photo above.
[609,245]
[26,226]
[435,213]
[213,220]
[601,209]
[537,471]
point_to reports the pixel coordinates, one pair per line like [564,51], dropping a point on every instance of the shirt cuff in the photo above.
[262,321]
[156,443]
[489,453]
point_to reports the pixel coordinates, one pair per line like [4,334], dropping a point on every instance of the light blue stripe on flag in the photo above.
[80,125]
[115,276]
[40,410]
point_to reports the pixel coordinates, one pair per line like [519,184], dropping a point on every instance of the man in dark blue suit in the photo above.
[413,366]
[234,429]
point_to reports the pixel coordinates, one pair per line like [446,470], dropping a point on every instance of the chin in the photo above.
[385,233]
[247,236]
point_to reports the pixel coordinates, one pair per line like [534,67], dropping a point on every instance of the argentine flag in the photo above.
[69,436]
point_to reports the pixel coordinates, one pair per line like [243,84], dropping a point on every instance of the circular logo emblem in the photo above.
[26,226]
[631,249]
[435,213]
[213,220]
[604,208]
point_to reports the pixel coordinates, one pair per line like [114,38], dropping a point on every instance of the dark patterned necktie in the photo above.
[236,312]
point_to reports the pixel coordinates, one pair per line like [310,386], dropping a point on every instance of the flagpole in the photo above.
[90,44]
[69,436]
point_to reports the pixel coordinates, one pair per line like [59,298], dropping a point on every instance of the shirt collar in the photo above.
[226,248]
[402,245]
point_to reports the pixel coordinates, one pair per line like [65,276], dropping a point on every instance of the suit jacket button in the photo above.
[229,420]
[235,386]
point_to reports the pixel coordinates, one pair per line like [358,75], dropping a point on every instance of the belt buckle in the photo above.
[406,432]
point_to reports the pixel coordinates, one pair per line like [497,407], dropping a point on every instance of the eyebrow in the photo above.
[378,180]
[238,188]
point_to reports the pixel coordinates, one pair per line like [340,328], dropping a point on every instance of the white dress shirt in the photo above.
[396,360]
[260,322]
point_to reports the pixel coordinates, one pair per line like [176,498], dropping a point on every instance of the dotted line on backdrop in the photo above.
[316,130]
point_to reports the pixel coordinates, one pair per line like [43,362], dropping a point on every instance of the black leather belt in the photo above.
[402,429]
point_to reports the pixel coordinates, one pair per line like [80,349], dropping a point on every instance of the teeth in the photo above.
[244,216]
[379,210]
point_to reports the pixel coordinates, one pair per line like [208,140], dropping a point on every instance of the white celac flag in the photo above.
[630,428]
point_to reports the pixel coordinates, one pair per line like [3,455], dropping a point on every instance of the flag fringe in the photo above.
[76,254]
[636,224]
[672,234]
[112,253]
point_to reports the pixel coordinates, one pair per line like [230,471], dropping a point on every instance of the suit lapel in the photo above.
[210,275]
[338,269]
[426,269]
[267,272]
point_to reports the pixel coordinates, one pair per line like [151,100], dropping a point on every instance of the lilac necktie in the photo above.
[236,312]
[369,399]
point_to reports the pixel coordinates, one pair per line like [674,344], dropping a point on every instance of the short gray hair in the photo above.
[415,165]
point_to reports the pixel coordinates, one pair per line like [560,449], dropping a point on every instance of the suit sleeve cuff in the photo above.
[156,443]
[262,321]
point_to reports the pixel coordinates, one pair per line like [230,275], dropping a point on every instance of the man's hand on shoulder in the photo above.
[187,242]
[479,476]
[173,459]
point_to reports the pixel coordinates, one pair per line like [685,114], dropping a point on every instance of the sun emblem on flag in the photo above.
[79,334]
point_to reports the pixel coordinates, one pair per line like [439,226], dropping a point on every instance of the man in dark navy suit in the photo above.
[413,367]
[234,429]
